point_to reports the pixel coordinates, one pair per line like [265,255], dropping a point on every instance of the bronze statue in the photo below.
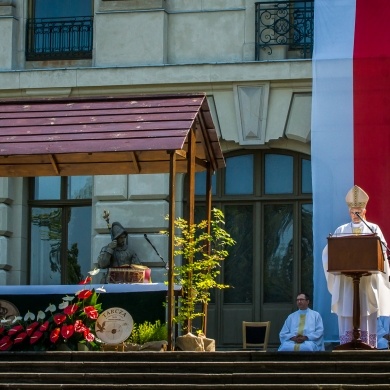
[117,253]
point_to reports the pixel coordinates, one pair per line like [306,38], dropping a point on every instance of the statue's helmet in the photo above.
[117,230]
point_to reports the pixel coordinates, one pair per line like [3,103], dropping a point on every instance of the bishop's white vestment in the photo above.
[374,291]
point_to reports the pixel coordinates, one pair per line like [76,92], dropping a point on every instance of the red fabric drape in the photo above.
[371,83]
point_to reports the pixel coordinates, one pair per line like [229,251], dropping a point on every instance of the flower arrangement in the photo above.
[73,324]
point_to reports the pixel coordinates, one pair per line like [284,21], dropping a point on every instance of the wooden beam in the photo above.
[209,195]
[207,143]
[54,164]
[201,163]
[191,176]
[191,200]
[171,249]
[135,162]
[181,153]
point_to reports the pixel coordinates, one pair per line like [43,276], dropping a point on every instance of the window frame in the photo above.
[259,199]
[65,204]
[75,26]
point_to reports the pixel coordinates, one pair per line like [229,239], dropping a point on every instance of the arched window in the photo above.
[266,197]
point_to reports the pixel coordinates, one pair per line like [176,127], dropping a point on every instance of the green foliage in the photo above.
[202,253]
[146,332]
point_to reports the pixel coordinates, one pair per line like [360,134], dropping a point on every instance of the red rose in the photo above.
[84,294]
[35,337]
[91,312]
[55,334]
[67,331]
[59,318]
[79,326]
[89,336]
[2,329]
[71,309]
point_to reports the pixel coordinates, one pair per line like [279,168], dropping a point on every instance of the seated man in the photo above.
[303,330]
[382,332]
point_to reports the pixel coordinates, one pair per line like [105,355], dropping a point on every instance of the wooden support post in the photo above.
[171,249]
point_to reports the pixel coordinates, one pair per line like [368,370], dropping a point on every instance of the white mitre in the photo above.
[356,198]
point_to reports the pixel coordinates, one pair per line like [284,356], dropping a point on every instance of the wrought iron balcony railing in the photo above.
[59,38]
[284,29]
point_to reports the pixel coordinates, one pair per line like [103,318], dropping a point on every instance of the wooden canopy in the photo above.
[114,135]
[103,136]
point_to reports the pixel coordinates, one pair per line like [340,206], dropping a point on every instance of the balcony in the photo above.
[59,38]
[284,30]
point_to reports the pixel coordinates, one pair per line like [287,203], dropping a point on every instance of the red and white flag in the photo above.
[350,120]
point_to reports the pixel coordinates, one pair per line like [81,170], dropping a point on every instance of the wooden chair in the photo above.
[255,335]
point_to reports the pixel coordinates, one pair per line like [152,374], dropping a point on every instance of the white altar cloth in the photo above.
[73,288]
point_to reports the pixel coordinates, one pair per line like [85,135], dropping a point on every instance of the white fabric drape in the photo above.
[332,135]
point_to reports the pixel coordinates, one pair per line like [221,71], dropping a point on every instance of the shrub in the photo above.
[146,332]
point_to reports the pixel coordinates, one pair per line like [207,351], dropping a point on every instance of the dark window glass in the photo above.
[46,233]
[306,177]
[62,8]
[59,30]
[79,187]
[307,248]
[48,188]
[239,264]
[239,175]
[279,174]
[200,183]
[278,253]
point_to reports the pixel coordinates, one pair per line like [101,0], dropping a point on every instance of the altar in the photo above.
[144,301]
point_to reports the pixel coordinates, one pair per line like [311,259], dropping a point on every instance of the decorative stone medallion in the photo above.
[8,311]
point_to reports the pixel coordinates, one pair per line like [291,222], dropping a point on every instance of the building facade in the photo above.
[252,59]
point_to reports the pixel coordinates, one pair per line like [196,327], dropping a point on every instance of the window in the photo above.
[267,201]
[284,23]
[60,229]
[59,29]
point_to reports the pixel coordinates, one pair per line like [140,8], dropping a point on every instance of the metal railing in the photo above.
[287,25]
[59,38]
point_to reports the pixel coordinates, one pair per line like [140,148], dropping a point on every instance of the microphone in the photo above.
[373,232]
[158,254]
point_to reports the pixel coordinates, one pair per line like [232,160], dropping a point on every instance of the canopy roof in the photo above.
[114,135]
[102,136]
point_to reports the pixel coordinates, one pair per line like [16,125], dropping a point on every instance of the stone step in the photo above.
[198,387]
[195,370]
[195,367]
[219,356]
[199,379]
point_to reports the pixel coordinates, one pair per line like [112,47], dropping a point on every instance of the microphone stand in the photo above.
[372,231]
[158,254]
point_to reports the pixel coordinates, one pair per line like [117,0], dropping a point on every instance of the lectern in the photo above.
[355,256]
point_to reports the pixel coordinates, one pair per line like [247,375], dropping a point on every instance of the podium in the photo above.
[355,256]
